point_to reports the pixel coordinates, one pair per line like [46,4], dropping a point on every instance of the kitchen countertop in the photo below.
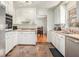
[73,35]
[24,30]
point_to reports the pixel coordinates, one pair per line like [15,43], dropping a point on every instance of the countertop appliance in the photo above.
[57,27]
[14,27]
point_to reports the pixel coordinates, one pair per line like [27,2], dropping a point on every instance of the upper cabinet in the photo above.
[9,6]
[59,14]
[73,13]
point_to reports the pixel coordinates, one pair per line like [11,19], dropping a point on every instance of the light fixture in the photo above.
[28,2]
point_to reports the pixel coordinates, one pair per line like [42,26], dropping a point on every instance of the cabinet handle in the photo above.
[74,40]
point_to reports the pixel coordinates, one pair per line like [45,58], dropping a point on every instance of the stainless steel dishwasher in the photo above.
[72,47]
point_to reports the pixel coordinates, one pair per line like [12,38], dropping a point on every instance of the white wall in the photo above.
[50,19]
[50,23]
[41,13]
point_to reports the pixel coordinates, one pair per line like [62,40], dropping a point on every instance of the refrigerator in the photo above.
[2,30]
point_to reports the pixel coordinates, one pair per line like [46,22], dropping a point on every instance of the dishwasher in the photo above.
[72,47]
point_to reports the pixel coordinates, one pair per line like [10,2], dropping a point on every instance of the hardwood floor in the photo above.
[41,38]
[40,50]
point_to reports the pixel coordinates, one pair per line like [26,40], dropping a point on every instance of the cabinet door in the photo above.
[19,38]
[29,37]
[57,15]
[62,46]
[14,38]
[9,41]
[57,41]
[60,43]
[49,36]
[53,39]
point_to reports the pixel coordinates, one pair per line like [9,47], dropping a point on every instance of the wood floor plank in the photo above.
[40,50]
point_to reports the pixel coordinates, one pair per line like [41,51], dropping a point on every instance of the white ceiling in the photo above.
[36,4]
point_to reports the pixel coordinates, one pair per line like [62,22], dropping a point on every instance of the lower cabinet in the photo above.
[27,38]
[11,40]
[58,40]
[62,46]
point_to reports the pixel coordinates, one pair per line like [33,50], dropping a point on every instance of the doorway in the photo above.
[42,30]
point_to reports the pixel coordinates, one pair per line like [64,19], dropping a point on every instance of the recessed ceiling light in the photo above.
[28,2]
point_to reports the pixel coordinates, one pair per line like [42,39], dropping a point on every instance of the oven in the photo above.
[8,21]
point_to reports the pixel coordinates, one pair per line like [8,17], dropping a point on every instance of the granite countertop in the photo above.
[23,30]
[73,35]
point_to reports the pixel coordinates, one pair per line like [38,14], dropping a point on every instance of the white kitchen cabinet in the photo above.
[62,44]
[49,36]
[53,38]
[27,38]
[11,40]
[9,6]
[57,15]
[58,40]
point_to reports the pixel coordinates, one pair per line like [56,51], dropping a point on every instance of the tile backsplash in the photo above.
[72,30]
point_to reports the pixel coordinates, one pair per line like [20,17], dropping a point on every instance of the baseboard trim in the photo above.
[26,45]
[42,42]
[52,44]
